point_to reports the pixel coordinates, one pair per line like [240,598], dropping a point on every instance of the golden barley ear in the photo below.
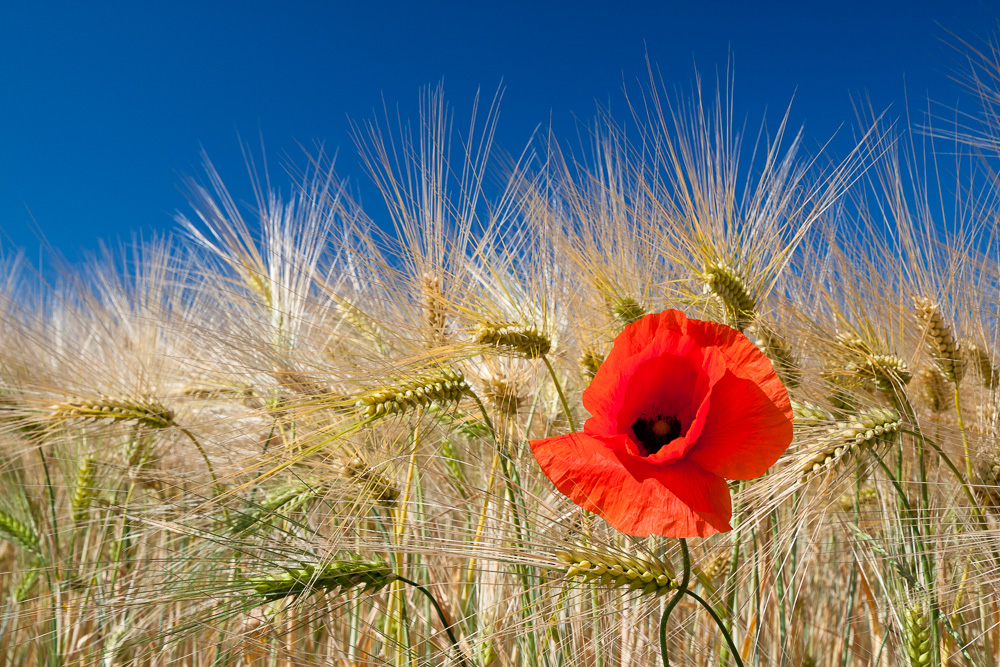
[776,348]
[847,438]
[934,391]
[374,484]
[978,358]
[145,411]
[513,339]
[434,307]
[940,339]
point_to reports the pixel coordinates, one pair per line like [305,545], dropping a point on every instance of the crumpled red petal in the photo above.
[677,500]
[672,375]
[744,433]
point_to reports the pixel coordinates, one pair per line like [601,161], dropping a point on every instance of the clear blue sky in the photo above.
[104,106]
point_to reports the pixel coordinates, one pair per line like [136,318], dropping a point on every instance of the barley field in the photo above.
[294,434]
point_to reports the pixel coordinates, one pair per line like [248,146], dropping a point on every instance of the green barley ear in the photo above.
[285,499]
[779,351]
[626,310]
[644,573]
[934,389]
[343,574]
[446,385]
[847,438]
[83,492]
[732,292]
[26,583]
[138,452]
[513,339]
[375,484]
[591,361]
[940,339]
[979,359]
[918,636]
[18,532]
[464,424]
[145,411]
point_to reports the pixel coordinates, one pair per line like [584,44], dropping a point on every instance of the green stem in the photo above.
[562,396]
[441,615]
[719,622]
[681,589]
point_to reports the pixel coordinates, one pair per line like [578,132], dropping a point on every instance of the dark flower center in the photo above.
[655,432]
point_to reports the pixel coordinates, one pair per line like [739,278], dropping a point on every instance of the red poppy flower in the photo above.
[678,407]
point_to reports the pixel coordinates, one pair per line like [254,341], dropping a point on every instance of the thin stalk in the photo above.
[681,589]
[562,396]
[719,622]
[441,615]
[961,430]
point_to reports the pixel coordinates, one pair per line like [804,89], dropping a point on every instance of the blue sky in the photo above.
[104,107]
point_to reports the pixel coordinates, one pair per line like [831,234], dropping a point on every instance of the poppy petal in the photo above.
[672,376]
[743,359]
[678,500]
[744,433]
[638,335]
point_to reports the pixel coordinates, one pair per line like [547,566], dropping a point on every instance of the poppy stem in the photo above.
[718,621]
[441,615]
[562,396]
[681,590]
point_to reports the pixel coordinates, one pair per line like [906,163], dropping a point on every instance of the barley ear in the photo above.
[726,284]
[918,636]
[940,339]
[643,573]
[513,339]
[446,385]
